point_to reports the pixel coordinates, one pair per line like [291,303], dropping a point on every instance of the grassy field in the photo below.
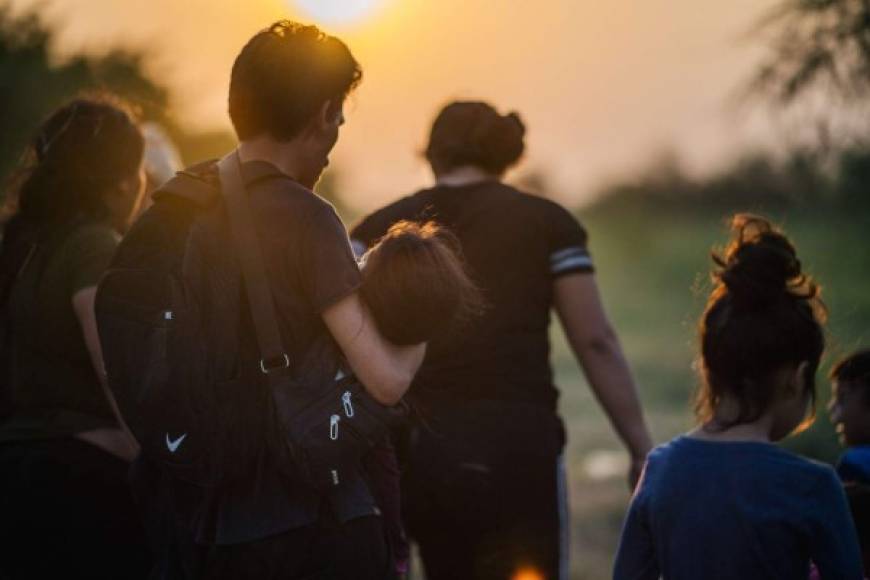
[653,271]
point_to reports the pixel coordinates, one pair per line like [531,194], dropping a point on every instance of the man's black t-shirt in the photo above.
[515,245]
[306,249]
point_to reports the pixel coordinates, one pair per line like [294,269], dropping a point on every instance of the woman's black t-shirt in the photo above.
[515,245]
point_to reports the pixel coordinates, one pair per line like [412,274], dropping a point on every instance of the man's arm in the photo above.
[597,348]
[385,370]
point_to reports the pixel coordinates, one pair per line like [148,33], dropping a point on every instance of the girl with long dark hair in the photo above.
[67,510]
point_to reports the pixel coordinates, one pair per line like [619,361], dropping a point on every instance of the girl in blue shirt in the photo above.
[723,501]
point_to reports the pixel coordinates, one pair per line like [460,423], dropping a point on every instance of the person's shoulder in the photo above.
[805,474]
[280,193]
[374,225]
[407,207]
[662,454]
[660,458]
[537,203]
[799,462]
[657,468]
[550,213]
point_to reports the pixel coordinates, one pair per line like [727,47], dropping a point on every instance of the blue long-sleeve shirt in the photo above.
[709,510]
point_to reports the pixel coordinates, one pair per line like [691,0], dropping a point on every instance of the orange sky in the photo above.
[604,86]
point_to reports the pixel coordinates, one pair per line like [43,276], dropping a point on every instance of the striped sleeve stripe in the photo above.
[567,253]
[570,259]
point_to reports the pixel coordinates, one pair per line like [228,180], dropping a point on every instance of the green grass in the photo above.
[653,273]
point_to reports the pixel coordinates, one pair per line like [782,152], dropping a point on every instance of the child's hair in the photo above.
[854,369]
[763,314]
[415,284]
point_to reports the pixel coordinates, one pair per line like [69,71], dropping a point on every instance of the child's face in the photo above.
[850,413]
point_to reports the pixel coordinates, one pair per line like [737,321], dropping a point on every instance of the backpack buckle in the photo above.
[275,364]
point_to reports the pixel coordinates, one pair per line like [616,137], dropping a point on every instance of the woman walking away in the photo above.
[484,484]
[723,501]
[65,504]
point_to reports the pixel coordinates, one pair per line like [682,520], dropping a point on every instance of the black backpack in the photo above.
[187,282]
[169,342]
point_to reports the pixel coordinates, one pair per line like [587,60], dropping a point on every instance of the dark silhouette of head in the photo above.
[284,76]
[850,406]
[854,368]
[763,317]
[415,284]
[471,133]
[85,161]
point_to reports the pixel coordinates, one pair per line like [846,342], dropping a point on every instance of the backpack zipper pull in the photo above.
[333,427]
[348,406]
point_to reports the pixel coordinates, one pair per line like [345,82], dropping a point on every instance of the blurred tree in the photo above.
[754,182]
[821,44]
[821,54]
[33,83]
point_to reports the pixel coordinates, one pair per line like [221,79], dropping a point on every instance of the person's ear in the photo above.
[331,115]
[799,380]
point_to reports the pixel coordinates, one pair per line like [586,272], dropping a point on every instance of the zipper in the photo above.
[333,427]
[348,406]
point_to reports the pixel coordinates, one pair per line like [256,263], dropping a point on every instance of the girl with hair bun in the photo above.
[484,484]
[723,501]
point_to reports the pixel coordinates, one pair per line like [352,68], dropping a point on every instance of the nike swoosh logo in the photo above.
[173,445]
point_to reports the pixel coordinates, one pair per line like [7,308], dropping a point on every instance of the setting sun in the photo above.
[338,12]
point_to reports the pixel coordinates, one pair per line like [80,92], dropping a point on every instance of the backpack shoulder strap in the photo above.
[190,187]
[273,357]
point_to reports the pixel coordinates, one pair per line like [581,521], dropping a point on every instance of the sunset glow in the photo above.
[527,574]
[602,87]
[338,12]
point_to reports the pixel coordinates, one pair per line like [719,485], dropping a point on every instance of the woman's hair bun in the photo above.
[513,124]
[474,133]
[760,266]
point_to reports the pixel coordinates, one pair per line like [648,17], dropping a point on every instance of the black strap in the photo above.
[187,186]
[250,254]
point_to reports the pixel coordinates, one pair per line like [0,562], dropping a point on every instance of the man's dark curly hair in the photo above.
[284,75]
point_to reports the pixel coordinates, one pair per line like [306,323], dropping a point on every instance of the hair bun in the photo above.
[474,133]
[761,266]
[512,122]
